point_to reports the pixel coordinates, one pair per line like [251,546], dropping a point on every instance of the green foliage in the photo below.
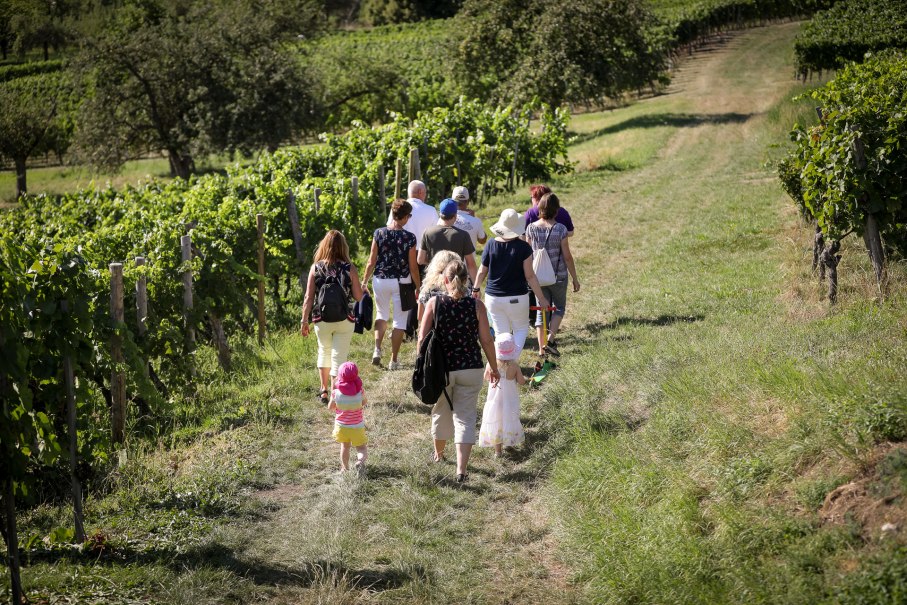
[849,30]
[863,103]
[383,12]
[193,80]
[30,68]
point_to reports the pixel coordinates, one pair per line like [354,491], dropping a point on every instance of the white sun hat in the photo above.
[511,224]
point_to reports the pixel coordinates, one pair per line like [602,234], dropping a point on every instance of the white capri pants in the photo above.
[510,314]
[387,291]
[458,424]
[333,343]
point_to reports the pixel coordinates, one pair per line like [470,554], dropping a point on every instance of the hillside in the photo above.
[715,433]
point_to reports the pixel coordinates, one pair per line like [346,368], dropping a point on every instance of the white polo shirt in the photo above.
[424,216]
[471,225]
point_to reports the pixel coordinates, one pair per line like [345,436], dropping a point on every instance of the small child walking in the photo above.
[501,417]
[347,400]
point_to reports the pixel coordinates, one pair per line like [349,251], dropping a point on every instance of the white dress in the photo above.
[501,416]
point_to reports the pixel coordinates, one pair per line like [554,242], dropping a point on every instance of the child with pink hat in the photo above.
[501,416]
[347,400]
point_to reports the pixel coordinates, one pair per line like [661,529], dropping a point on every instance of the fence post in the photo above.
[76,485]
[260,221]
[317,200]
[415,173]
[118,377]
[297,238]
[186,247]
[354,185]
[382,195]
[398,178]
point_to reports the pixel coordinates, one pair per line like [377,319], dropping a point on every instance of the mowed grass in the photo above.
[707,401]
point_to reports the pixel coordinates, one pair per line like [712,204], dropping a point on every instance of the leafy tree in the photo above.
[40,24]
[382,12]
[34,120]
[194,78]
[561,51]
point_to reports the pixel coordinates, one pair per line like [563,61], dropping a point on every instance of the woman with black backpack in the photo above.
[462,326]
[333,282]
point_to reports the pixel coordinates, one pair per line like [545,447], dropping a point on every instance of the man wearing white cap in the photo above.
[465,218]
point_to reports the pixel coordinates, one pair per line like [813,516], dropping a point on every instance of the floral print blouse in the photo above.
[393,252]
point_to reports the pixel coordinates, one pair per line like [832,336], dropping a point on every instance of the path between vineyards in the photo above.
[408,533]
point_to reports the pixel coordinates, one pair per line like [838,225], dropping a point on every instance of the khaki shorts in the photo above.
[459,424]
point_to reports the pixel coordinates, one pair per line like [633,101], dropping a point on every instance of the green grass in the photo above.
[707,402]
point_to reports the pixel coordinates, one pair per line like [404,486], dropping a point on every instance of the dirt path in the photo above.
[410,534]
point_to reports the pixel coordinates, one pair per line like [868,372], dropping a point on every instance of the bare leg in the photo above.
[498,449]
[396,340]
[325,374]
[538,331]
[380,329]
[554,325]
[439,449]
[344,456]
[361,455]
[463,452]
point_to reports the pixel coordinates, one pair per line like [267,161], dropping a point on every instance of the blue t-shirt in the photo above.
[506,276]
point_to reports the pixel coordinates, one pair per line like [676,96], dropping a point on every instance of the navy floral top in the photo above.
[393,252]
[458,327]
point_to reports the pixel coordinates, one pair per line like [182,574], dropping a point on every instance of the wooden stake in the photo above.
[118,377]
[398,179]
[354,185]
[297,239]
[415,173]
[186,247]
[317,200]
[260,220]
[69,377]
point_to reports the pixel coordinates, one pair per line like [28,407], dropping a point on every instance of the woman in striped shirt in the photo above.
[347,400]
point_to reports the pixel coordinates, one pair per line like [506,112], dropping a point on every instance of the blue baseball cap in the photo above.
[448,208]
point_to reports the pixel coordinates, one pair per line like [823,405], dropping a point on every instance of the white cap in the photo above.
[460,194]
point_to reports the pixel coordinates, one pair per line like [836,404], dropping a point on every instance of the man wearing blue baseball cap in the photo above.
[444,236]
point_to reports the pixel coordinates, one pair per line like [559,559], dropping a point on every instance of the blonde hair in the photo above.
[333,248]
[434,275]
[456,276]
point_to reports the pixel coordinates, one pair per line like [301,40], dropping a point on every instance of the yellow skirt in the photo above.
[355,437]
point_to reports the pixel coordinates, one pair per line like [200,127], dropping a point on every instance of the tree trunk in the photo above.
[830,259]
[12,540]
[181,165]
[220,341]
[21,187]
[46,52]
[818,245]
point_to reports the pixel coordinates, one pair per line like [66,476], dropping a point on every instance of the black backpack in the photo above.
[430,378]
[331,302]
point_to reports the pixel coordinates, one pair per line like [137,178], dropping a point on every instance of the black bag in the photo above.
[408,300]
[430,378]
[332,302]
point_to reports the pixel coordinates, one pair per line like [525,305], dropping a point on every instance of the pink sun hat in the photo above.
[348,381]
[504,346]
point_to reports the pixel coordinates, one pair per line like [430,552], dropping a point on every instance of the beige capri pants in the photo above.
[333,343]
[459,424]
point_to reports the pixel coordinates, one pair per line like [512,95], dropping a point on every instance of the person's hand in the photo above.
[304,328]
[575,285]
[542,302]
[495,377]
[476,293]
[364,285]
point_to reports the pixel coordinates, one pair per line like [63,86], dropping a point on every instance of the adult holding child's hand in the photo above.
[507,263]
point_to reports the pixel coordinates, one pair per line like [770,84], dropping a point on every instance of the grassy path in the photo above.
[707,402]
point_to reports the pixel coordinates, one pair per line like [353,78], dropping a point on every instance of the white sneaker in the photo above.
[376,357]
[394,365]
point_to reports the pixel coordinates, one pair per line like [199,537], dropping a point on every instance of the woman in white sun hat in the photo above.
[507,263]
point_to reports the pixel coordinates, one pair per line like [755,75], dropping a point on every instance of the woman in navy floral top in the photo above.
[464,333]
[393,262]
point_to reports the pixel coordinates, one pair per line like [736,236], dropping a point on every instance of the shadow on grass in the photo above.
[596,328]
[262,573]
[676,120]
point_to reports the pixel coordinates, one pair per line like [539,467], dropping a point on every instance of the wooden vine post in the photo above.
[382,193]
[76,485]
[871,236]
[186,248]
[118,376]
[317,200]
[297,239]
[398,179]
[354,187]
[415,172]
[260,221]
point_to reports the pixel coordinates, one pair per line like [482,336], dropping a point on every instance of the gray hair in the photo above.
[416,189]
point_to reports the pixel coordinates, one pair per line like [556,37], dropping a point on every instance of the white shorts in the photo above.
[387,291]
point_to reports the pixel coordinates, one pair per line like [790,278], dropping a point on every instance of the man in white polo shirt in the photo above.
[465,218]
[423,216]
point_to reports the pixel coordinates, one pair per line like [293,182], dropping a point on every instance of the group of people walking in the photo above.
[423,262]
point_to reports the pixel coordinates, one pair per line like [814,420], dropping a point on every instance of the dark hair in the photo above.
[401,209]
[548,206]
[537,191]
